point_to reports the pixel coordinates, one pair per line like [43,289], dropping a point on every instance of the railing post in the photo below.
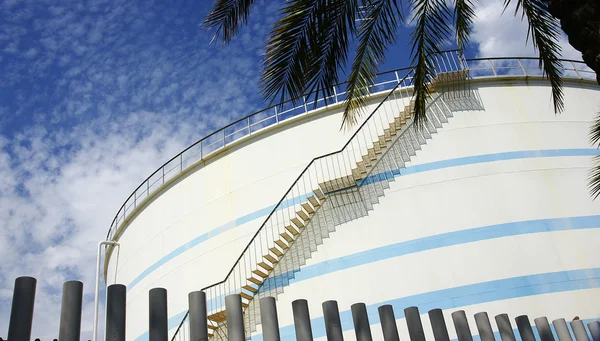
[302,320]
[268,317]
[305,107]
[198,316]
[333,325]
[70,312]
[493,69]
[579,331]
[562,331]
[543,328]
[484,327]
[504,328]
[335,94]
[249,128]
[594,328]
[276,115]
[524,327]
[362,329]
[115,312]
[576,71]
[158,316]
[413,322]
[388,323]
[463,332]
[522,68]
[21,313]
[438,325]
[235,318]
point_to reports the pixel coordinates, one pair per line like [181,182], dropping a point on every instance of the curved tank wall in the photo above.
[493,213]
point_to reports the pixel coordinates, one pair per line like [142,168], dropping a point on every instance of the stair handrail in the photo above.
[400,81]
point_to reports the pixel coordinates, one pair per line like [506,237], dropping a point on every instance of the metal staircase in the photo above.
[333,189]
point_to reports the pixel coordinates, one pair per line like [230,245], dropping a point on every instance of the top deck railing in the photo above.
[284,111]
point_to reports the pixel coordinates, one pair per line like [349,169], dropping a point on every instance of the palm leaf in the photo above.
[544,31]
[307,47]
[376,32]
[594,176]
[431,31]
[227,16]
[463,19]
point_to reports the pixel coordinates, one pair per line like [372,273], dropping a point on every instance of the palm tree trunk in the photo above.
[580,20]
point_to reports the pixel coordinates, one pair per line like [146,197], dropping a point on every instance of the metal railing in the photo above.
[279,113]
[321,172]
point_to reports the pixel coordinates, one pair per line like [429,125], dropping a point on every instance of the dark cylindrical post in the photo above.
[333,325]
[524,327]
[116,295]
[594,328]
[302,320]
[158,318]
[484,327]
[268,318]
[198,317]
[562,331]
[388,323]
[70,311]
[235,318]
[360,318]
[438,325]
[505,328]
[413,322]
[21,313]
[579,331]
[463,332]
[543,328]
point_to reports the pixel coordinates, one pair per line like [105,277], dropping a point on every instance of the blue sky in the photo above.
[95,95]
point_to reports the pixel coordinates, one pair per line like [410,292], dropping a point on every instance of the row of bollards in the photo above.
[21,314]
[21,319]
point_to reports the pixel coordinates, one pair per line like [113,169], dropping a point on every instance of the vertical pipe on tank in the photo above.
[484,327]
[413,322]
[362,329]
[21,312]
[158,320]
[70,311]
[115,312]
[543,328]
[333,325]
[235,318]
[302,320]
[269,320]
[388,323]
[463,332]
[198,316]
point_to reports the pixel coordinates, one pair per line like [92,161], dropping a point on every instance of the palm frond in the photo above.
[594,175]
[463,19]
[544,31]
[227,16]
[430,32]
[377,30]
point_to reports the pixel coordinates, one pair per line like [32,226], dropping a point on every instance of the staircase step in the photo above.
[246,296]
[270,258]
[250,288]
[217,317]
[313,201]
[265,266]
[291,229]
[281,244]
[319,194]
[255,280]
[306,206]
[260,273]
[287,237]
[303,215]
[297,222]
[213,327]
[276,252]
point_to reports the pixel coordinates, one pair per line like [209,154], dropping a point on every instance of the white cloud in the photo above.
[502,35]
